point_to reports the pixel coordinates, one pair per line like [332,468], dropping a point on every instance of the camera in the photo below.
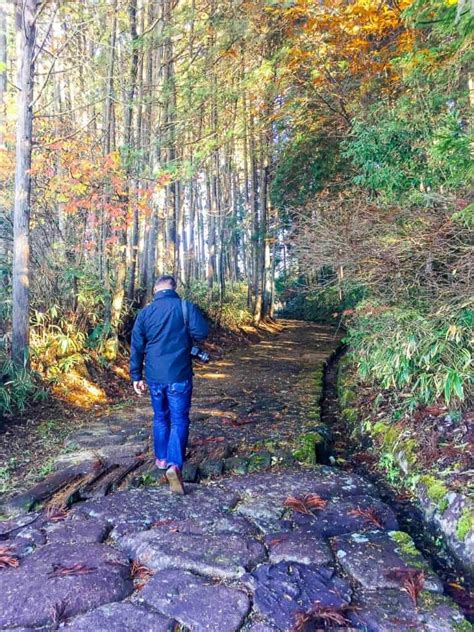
[200,355]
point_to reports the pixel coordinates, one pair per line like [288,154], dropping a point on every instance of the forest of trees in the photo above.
[314,154]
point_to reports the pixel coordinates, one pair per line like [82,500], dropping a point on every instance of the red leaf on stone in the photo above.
[412,580]
[7,559]
[75,569]
[58,612]
[314,501]
[163,523]
[297,504]
[276,541]
[140,574]
[56,514]
[369,514]
[320,615]
[305,504]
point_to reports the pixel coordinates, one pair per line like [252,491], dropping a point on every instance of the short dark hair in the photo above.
[166,279]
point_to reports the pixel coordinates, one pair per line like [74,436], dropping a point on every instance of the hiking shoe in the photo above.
[173,475]
[161,464]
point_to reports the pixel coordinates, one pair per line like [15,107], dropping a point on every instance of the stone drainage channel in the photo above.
[262,544]
[427,537]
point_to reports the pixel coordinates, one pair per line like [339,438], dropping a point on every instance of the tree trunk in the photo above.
[25,37]
[3,74]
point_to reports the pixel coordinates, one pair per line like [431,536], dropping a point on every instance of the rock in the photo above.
[189,472]
[342,516]
[283,458]
[9,527]
[460,508]
[236,464]
[27,540]
[438,613]
[260,461]
[121,617]
[261,511]
[258,627]
[106,452]
[77,531]
[322,480]
[384,611]
[31,594]
[393,611]
[211,468]
[298,546]
[87,439]
[195,602]
[136,509]
[372,558]
[284,589]
[227,556]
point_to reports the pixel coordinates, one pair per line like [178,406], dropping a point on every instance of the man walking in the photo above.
[162,338]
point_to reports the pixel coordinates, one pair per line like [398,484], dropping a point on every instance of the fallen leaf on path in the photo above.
[7,559]
[206,440]
[305,503]
[75,569]
[56,514]
[412,581]
[319,615]
[140,574]
[370,515]
[241,421]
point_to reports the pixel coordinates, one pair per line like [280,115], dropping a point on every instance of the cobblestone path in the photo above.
[266,538]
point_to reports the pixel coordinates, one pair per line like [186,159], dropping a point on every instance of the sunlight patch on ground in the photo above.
[121,372]
[213,376]
[75,389]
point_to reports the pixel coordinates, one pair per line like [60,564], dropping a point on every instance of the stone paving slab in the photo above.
[62,579]
[27,540]
[298,546]
[322,480]
[373,559]
[77,531]
[121,617]
[195,602]
[266,513]
[227,556]
[394,611]
[107,453]
[137,509]
[284,589]
[340,516]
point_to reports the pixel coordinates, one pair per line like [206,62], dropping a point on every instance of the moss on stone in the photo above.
[465,524]
[306,447]
[462,626]
[407,549]
[436,490]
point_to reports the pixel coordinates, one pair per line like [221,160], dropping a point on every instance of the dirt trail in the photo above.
[265,538]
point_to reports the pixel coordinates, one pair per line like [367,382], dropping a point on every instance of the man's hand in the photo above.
[139,387]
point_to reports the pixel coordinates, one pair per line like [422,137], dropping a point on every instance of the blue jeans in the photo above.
[171,404]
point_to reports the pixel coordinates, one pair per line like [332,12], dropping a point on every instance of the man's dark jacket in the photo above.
[161,339]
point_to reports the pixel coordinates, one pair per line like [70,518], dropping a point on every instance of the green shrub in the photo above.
[323,304]
[426,355]
[17,388]
[231,311]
